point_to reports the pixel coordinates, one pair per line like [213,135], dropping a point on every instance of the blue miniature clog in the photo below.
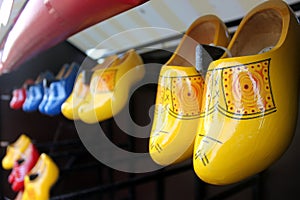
[35,93]
[60,90]
[46,85]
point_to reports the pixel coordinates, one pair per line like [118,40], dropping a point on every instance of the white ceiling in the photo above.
[152,21]
[155,20]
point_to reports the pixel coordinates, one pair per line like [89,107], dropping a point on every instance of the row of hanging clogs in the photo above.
[32,174]
[98,94]
[240,117]
[47,93]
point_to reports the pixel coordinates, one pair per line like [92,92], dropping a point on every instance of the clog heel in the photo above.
[109,88]
[251,99]
[179,93]
[40,179]
[81,89]
[14,151]
[70,107]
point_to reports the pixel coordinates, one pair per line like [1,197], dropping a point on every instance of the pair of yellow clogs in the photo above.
[239,117]
[39,180]
[106,93]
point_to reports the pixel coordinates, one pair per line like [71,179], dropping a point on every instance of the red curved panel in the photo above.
[44,23]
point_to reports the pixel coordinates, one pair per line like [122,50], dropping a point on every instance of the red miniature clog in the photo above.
[22,167]
[19,96]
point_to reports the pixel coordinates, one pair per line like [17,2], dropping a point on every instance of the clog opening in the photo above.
[261,31]
[20,161]
[203,33]
[32,177]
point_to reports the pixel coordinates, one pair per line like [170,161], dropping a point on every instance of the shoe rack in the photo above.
[57,137]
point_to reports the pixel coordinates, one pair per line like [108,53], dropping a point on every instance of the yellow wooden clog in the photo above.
[81,89]
[40,179]
[250,101]
[14,151]
[109,88]
[179,95]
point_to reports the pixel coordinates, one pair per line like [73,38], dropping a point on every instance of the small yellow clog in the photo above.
[14,151]
[81,89]
[109,88]
[251,99]
[40,179]
[179,94]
